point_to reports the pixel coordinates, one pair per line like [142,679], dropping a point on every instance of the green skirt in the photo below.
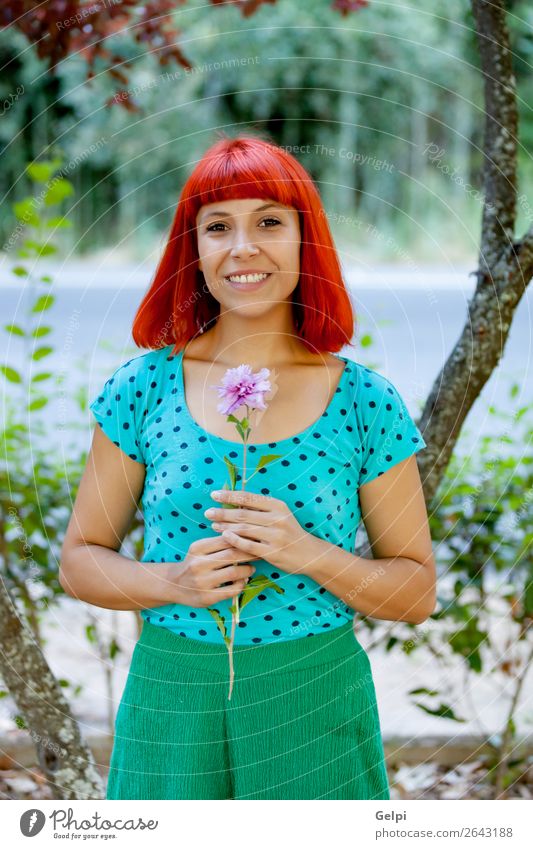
[302,721]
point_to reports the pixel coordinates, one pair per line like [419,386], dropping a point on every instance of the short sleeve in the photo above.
[116,408]
[389,433]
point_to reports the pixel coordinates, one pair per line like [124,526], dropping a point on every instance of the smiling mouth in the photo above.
[247,279]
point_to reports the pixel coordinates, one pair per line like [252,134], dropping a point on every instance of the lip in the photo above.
[248,287]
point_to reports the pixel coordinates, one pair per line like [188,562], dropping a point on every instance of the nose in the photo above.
[243,246]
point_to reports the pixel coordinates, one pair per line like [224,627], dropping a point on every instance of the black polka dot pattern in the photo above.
[364,431]
[388,433]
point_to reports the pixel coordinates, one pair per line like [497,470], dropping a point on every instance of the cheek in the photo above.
[294,249]
[209,259]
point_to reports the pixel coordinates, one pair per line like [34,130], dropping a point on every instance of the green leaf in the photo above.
[267,458]
[38,403]
[256,585]
[46,278]
[366,340]
[220,622]
[41,172]
[528,599]
[42,375]
[11,374]
[40,248]
[59,189]
[444,711]
[41,352]
[231,418]
[42,330]
[90,632]
[232,469]
[59,221]
[20,271]
[25,212]
[14,329]
[43,302]
[114,649]
[423,691]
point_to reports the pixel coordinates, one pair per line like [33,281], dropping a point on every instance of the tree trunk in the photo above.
[505,267]
[63,756]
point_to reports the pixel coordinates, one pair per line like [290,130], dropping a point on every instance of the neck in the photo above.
[263,342]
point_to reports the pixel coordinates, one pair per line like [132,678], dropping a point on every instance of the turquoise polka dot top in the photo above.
[365,430]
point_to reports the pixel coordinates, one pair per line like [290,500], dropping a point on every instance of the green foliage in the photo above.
[36,244]
[314,80]
[483,539]
[36,489]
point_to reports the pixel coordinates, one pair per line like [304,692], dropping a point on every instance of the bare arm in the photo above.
[91,568]
[399,583]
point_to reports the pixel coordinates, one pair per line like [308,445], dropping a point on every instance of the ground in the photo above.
[425,781]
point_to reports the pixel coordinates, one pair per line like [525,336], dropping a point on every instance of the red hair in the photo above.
[178,304]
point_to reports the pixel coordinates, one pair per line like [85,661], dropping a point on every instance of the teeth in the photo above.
[248,278]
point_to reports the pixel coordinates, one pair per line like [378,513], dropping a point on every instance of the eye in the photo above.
[211,227]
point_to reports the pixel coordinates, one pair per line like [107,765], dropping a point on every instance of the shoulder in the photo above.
[387,431]
[145,366]
[370,387]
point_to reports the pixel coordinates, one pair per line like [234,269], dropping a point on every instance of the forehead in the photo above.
[239,206]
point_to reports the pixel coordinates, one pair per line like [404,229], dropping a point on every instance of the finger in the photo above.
[214,545]
[260,534]
[230,590]
[249,546]
[210,545]
[230,574]
[252,517]
[249,500]
[229,554]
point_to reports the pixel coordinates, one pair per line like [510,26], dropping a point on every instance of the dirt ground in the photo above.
[424,781]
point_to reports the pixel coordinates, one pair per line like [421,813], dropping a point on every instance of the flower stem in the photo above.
[243,483]
[230,650]
[235,612]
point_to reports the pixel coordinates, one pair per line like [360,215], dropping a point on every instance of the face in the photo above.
[240,237]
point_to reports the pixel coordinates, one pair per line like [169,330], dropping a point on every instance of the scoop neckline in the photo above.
[300,436]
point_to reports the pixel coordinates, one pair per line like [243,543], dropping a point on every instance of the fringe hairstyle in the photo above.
[178,305]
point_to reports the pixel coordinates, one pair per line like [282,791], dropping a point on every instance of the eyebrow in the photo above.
[226,214]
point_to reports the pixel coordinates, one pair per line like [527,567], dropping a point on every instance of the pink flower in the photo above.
[240,387]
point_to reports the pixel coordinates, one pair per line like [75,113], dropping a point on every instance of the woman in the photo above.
[250,275]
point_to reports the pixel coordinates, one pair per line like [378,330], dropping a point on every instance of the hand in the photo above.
[261,527]
[197,581]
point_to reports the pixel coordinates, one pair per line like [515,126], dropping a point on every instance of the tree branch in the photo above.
[504,271]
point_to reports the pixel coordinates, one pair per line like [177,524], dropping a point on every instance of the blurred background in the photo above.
[384,107]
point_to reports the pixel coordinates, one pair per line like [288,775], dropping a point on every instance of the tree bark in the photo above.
[63,757]
[504,267]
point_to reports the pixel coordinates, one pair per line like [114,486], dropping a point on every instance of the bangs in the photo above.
[246,173]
